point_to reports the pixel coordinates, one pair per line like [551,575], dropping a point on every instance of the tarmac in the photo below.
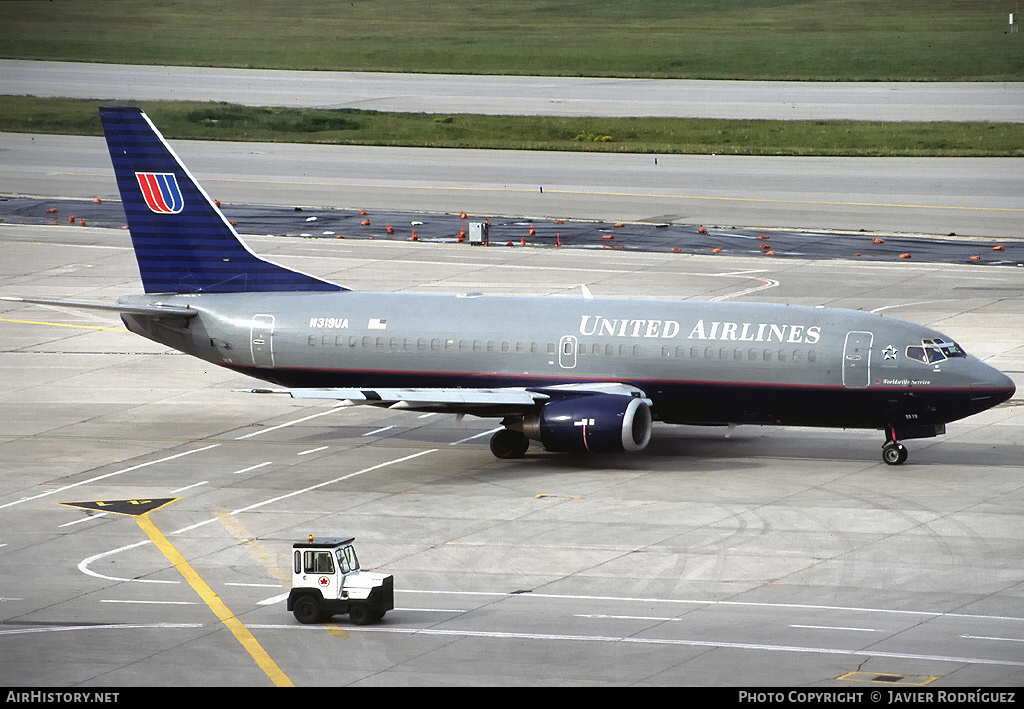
[758,557]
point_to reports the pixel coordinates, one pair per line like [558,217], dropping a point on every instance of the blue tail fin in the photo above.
[182,241]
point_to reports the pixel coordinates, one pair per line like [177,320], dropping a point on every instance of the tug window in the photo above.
[319,562]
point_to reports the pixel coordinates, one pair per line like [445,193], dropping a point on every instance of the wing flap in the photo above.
[453,400]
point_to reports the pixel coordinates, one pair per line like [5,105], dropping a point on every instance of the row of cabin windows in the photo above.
[752,354]
[408,344]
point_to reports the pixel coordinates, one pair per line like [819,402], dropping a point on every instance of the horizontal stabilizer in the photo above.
[153,310]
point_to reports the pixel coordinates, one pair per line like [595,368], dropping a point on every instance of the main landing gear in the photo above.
[893,452]
[507,443]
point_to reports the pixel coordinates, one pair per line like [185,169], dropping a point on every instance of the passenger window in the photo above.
[609,349]
[638,351]
[435,344]
[812,356]
[478,346]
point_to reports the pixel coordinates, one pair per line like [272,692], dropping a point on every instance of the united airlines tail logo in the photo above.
[161,192]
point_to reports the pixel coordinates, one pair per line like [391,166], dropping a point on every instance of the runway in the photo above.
[524,95]
[768,557]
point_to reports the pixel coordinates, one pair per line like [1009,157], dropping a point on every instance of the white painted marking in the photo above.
[83,565]
[624,617]
[252,467]
[832,627]
[107,475]
[197,525]
[379,430]
[335,480]
[254,585]
[187,487]
[984,637]
[314,450]
[426,416]
[152,603]
[687,601]
[685,643]
[432,610]
[79,521]
[478,435]
[272,600]
[112,626]
[290,423]
[766,283]
[907,305]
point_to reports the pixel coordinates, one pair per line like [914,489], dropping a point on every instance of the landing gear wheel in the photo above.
[306,610]
[894,453]
[509,444]
[360,614]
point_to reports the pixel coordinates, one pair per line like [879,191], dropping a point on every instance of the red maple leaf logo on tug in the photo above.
[324,581]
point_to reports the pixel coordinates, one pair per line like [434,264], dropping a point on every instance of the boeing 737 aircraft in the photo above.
[575,374]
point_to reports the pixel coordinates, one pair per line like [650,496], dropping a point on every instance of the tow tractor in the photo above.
[327,581]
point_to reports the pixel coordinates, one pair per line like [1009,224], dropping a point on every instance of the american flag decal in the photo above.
[161,192]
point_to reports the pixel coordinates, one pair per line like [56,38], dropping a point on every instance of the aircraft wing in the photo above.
[154,310]
[501,401]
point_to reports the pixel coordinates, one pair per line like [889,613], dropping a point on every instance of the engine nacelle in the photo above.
[598,423]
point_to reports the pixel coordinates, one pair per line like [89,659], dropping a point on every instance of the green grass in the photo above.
[926,40]
[220,121]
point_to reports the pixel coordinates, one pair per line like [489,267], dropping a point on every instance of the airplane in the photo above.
[576,374]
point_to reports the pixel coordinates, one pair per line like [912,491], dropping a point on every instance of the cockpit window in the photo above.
[934,351]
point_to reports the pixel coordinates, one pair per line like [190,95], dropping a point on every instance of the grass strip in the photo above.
[827,40]
[221,121]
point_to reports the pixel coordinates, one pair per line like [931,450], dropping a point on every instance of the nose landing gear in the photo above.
[893,452]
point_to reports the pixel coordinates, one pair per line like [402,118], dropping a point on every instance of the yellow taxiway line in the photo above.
[219,608]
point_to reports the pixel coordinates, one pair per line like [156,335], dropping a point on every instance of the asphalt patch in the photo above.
[322,223]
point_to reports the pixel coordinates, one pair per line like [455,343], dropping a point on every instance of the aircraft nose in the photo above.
[993,382]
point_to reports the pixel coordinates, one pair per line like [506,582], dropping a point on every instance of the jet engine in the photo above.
[599,423]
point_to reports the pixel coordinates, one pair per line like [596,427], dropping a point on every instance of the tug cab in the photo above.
[327,581]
